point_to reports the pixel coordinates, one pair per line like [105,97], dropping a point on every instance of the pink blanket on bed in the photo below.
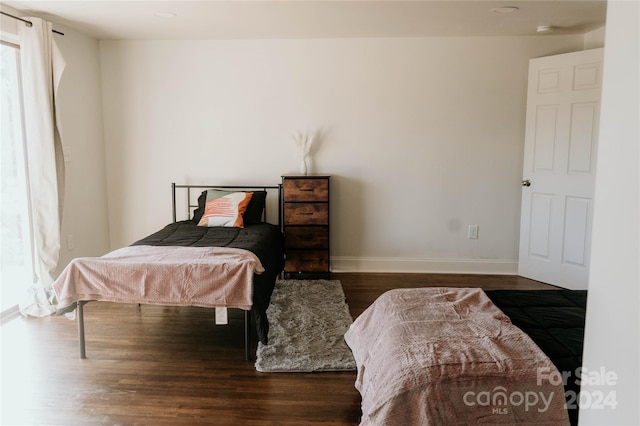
[178,276]
[449,356]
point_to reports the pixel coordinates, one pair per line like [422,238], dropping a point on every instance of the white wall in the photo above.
[8,25]
[423,136]
[80,107]
[612,335]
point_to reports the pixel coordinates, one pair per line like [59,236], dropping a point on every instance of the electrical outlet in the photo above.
[67,153]
[472,232]
[69,242]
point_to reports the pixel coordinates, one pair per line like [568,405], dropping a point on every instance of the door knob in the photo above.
[526,182]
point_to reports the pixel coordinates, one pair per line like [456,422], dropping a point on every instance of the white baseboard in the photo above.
[441,266]
[9,314]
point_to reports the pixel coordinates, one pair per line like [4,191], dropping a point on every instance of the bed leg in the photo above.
[83,354]
[247,335]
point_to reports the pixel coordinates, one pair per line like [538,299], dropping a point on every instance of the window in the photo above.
[16,259]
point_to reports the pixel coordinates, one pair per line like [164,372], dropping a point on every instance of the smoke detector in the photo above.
[544,29]
[504,9]
[165,15]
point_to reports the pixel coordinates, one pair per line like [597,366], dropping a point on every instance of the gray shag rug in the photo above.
[307,320]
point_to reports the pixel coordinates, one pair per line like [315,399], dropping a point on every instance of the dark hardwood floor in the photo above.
[172,366]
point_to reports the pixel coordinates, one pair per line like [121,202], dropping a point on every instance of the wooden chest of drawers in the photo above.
[306,225]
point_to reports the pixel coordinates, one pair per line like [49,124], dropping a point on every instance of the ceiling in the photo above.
[240,19]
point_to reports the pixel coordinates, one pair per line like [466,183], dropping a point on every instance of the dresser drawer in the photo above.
[307,261]
[306,237]
[301,190]
[306,214]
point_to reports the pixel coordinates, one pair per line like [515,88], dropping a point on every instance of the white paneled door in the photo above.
[563,109]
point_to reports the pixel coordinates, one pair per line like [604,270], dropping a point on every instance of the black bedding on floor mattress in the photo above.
[263,239]
[554,319]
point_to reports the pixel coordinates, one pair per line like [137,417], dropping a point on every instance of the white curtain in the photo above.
[42,66]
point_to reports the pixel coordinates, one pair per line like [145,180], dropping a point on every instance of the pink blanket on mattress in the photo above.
[178,276]
[436,356]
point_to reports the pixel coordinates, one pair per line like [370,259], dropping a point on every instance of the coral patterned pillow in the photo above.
[224,208]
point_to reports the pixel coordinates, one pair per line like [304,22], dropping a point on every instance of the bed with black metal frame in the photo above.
[263,239]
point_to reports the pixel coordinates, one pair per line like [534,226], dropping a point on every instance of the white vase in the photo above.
[303,166]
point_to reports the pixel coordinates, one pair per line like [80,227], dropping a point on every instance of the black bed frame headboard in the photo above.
[194,204]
